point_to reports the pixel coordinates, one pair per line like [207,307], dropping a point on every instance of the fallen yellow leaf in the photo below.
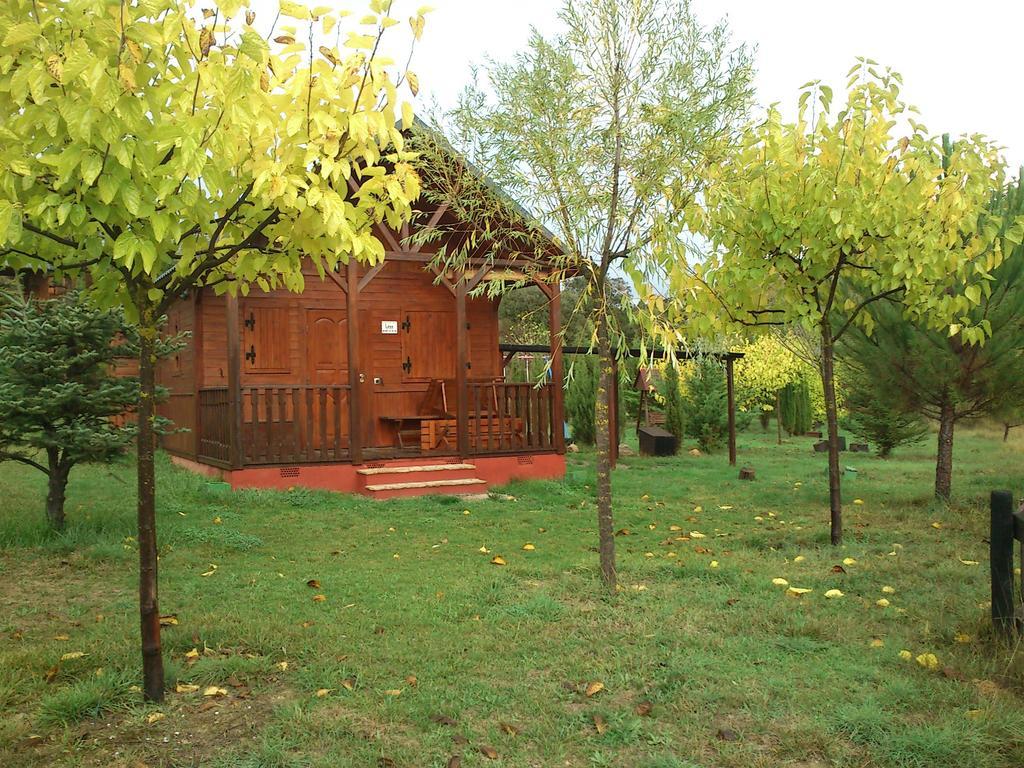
[833,593]
[858,502]
[594,688]
[322,693]
[967,562]
[882,603]
[648,554]
[849,561]
[906,655]
[192,655]
[928,660]
[697,535]
[529,547]
[799,559]
[170,620]
[889,590]
[675,527]
[936,525]
[282,665]
[780,582]
[484,551]
[713,564]
[962,637]
[72,655]
[498,560]
[155,717]
[62,638]
[216,521]
[319,598]
[393,692]
[797,591]
[213,690]
[877,643]
[185,688]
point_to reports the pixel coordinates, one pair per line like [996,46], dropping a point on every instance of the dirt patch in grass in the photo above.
[189,729]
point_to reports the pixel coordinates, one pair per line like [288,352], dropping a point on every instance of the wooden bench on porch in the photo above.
[434,427]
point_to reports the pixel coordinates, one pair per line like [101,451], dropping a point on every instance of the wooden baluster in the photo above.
[322,397]
[475,436]
[283,436]
[336,393]
[296,426]
[310,435]
[268,394]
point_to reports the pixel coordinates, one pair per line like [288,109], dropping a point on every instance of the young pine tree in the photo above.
[705,406]
[675,421]
[58,394]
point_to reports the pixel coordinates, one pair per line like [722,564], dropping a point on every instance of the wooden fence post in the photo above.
[1001,556]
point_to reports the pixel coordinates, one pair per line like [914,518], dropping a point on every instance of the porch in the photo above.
[279,425]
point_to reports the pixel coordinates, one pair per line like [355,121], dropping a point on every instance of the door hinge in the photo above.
[250,322]
[407,325]
[407,366]
[251,354]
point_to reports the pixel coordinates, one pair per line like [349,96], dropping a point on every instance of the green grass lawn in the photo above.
[423,649]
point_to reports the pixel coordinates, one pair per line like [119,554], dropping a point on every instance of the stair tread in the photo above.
[419,468]
[426,484]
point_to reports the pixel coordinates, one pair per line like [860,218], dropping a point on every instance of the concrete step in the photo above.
[400,470]
[450,487]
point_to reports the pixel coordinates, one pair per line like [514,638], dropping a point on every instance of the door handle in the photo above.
[362,378]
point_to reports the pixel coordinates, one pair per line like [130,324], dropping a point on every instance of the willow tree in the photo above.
[812,223]
[152,148]
[598,131]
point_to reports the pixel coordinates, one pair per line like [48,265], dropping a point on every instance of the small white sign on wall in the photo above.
[389,327]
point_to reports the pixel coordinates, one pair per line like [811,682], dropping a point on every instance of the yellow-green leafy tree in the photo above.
[812,222]
[151,148]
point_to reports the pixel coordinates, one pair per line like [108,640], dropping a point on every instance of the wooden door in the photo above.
[327,366]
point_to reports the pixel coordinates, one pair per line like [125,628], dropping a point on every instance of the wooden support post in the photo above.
[1001,561]
[355,405]
[234,344]
[613,414]
[461,365]
[557,368]
[730,386]
[196,344]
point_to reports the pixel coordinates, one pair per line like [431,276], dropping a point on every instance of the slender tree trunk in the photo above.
[57,482]
[152,659]
[778,416]
[944,458]
[828,383]
[602,424]
[1006,432]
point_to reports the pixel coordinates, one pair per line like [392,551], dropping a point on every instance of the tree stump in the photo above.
[747,473]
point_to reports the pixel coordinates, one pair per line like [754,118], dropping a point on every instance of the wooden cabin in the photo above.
[385,380]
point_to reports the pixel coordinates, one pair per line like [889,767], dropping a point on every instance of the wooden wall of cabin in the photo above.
[177,374]
[407,338]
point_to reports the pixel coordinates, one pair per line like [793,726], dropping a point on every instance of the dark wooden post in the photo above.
[1001,561]
[234,381]
[196,343]
[730,386]
[355,405]
[613,413]
[461,365]
[557,367]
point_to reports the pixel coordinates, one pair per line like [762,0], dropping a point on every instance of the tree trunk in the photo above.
[149,613]
[778,416]
[944,459]
[832,421]
[602,424]
[57,483]
[1006,432]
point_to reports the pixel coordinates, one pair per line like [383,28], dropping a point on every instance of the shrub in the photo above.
[580,398]
[705,409]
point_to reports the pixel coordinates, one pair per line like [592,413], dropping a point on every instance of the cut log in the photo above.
[747,473]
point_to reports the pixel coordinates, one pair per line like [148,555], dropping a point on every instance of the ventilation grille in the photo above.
[524,459]
[375,465]
[289,471]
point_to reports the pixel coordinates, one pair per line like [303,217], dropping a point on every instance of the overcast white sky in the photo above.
[960,59]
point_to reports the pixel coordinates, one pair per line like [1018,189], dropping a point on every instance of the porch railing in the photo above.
[214,428]
[510,418]
[280,424]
